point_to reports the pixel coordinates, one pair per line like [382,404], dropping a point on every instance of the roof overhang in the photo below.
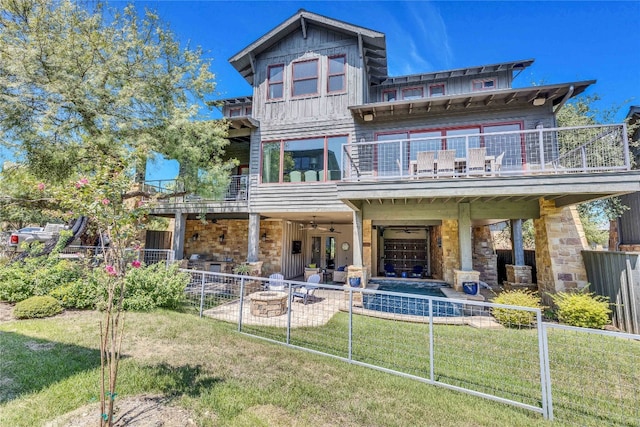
[243,122]
[372,44]
[460,72]
[553,95]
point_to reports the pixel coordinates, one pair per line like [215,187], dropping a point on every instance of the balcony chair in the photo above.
[308,290]
[446,165]
[311,175]
[476,161]
[497,165]
[295,176]
[425,160]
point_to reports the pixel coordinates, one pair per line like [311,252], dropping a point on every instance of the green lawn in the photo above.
[49,367]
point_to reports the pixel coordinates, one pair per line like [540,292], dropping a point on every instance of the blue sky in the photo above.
[570,41]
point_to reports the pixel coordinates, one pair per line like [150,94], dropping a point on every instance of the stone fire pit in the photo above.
[268,303]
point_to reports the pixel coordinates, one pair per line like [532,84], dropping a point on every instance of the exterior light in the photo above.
[264,236]
[539,101]
[221,238]
[195,237]
[367,117]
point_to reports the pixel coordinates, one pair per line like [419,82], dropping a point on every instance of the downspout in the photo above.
[564,99]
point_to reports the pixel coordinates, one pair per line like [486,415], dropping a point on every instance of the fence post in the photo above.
[241,304]
[544,365]
[548,414]
[541,144]
[202,295]
[431,349]
[350,356]
[289,303]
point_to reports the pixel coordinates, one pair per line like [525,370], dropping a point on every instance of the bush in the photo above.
[38,306]
[512,317]
[154,286]
[582,309]
[81,294]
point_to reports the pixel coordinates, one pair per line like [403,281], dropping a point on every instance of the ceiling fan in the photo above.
[313,225]
[405,230]
[333,230]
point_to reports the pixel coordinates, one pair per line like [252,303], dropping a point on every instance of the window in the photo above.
[389,95]
[336,75]
[412,93]
[484,84]
[275,74]
[436,90]
[305,78]
[247,111]
[302,160]
[235,112]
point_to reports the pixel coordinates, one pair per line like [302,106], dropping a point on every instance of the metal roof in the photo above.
[459,72]
[372,44]
[546,94]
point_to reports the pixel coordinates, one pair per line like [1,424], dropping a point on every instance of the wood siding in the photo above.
[292,264]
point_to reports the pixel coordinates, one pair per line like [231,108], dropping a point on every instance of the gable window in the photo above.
[302,160]
[389,95]
[483,84]
[412,93]
[235,112]
[305,78]
[336,76]
[275,74]
[436,90]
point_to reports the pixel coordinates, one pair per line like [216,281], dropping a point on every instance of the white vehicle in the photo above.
[34,234]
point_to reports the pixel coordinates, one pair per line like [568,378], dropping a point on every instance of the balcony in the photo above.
[174,192]
[544,151]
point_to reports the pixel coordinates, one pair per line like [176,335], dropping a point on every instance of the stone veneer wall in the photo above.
[367,253]
[450,249]
[629,248]
[559,242]
[435,261]
[485,259]
[236,234]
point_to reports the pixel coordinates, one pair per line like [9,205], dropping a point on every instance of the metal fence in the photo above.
[579,376]
[616,275]
[148,256]
[585,149]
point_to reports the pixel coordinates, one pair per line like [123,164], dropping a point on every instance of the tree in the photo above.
[595,216]
[86,97]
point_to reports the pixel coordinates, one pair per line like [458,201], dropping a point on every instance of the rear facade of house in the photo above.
[342,165]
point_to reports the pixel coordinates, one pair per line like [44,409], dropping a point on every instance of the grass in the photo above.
[49,367]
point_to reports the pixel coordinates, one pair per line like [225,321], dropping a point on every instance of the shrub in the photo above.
[154,286]
[582,309]
[79,294]
[15,284]
[512,317]
[38,306]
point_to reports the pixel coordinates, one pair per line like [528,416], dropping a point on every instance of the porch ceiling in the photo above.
[564,189]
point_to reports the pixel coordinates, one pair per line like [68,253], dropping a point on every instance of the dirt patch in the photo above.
[135,411]
[6,312]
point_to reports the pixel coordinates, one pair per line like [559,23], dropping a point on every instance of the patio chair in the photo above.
[446,165]
[295,176]
[425,163]
[276,282]
[306,291]
[389,270]
[497,164]
[417,272]
[476,161]
[311,175]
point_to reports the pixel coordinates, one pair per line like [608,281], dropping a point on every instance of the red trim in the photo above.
[248,110]
[343,73]
[442,85]
[395,95]
[413,88]
[236,109]
[269,83]
[294,80]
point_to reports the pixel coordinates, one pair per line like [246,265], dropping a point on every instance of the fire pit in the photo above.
[268,303]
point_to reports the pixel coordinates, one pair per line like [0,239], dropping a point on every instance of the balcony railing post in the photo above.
[625,146]
[541,144]
[466,150]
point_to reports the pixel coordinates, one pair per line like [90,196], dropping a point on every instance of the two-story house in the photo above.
[342,164]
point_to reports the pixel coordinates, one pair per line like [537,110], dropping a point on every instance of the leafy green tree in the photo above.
[595,216]
[86,97]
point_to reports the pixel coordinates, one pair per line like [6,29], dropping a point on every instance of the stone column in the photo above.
[367,255]
[464,236]
[253,237]
[485,259]
[179,228]
[450,249]
[559,242]
[357,238]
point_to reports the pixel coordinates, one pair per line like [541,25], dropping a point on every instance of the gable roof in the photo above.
[373,46]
